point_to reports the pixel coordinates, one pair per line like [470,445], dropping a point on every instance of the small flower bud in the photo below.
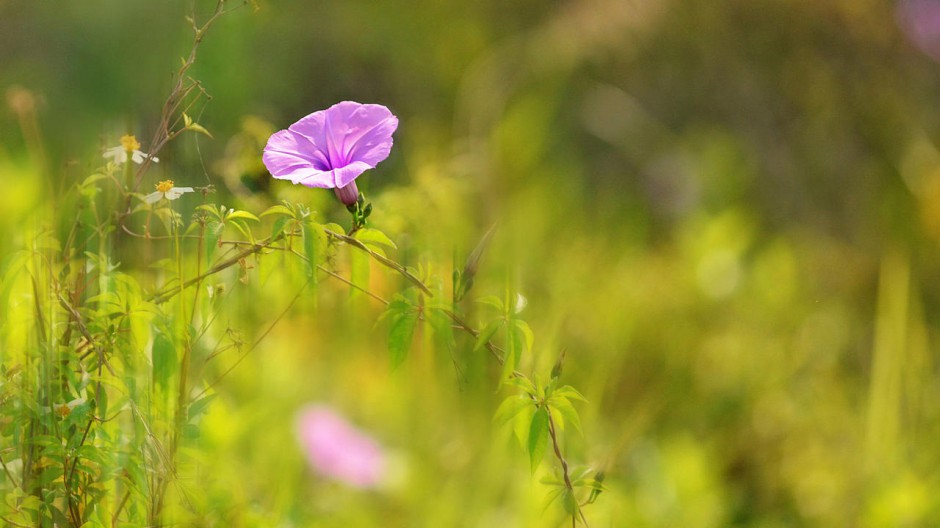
[348,194]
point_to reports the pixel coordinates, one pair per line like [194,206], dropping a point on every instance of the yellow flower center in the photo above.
[129,143]
[165,186]
[63,410]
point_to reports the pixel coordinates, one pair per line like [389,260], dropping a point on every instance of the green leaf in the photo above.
[242,229]
[313,235]
[278,210]
[569,502]
[211,209]
[523,383]
[400,334]
[358,271]
[164,359]
[538,438]
[241,214]
[373,237]
[200,406]
[525,330]
[487,333]
[510,407]
[213,233]
[279,225]
[492,300]
[566,412]
[570,392]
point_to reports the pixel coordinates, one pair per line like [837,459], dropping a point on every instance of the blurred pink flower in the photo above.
[337,449]
[920,20]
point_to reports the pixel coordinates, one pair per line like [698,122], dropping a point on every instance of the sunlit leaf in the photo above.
[570,392]
[164,359]
[538,438]
[241,214]
[371,236]
[277,210]
[526,331]
[565,411]
[487,333]
[510,407]
[492,300]
[400,334]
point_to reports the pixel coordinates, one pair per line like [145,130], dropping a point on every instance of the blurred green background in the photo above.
[726,211]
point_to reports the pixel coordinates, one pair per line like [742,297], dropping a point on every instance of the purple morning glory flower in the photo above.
[332,147]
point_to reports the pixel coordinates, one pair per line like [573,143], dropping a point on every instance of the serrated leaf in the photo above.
[523,383]
[526,331]
[487,333]
[241,229]
[211,209]
[374,236]
[521,424]
[510,407]
[538,438]
[492,300]
[241,214]
[566,412]
[400,334]
[277,210]
[570,392]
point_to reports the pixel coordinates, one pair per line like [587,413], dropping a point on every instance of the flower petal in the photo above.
[176,192]
[153,197]
[344,175]
[370,134]
[292,156]
[116,154]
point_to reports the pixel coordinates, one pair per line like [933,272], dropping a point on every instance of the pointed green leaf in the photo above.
[492,300]
[566,412]
[164,359]
[487,333]
[211,240]
[241,214]
[510,407]
[400,334]
[538,438]
[569,502]
[312,233]
[277,210]
[526,331]
[373,237]
[278,226]
[570,392]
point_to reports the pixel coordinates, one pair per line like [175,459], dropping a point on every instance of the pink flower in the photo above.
[332,147]
[337,449]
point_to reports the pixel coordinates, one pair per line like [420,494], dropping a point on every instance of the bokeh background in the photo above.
[726,211]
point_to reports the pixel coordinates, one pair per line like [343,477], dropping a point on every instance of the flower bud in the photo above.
[348,194]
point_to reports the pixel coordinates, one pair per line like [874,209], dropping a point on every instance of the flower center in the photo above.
[165,186]
[129,143]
